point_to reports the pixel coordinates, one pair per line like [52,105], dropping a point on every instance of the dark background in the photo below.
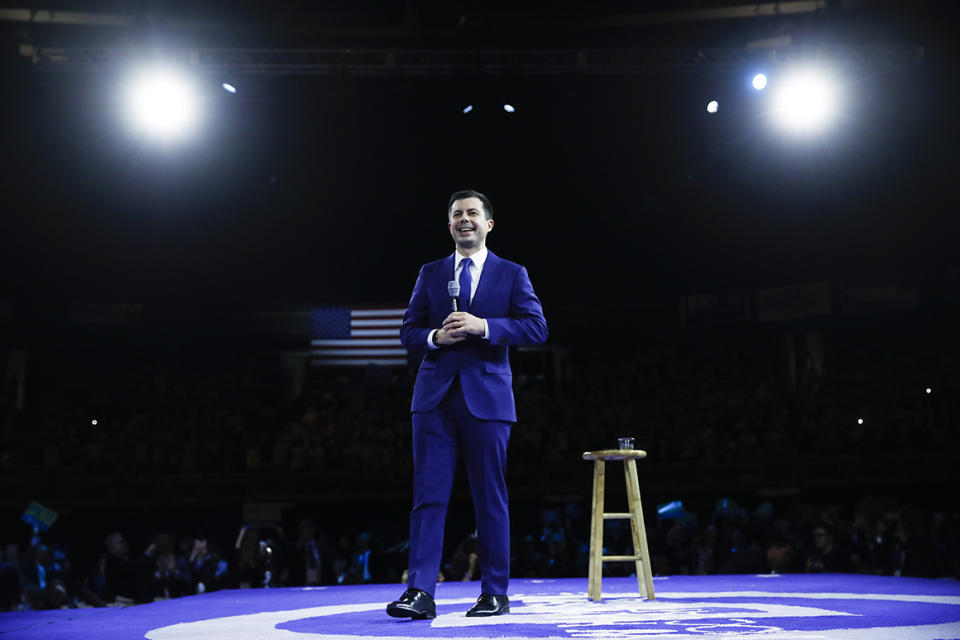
[601,183]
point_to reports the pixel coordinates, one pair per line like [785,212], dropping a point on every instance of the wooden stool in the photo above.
[641,552]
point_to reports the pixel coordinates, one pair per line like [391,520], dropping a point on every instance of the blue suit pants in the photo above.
[439,436]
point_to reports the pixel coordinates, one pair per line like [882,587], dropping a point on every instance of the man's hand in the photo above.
[461,324]
[442,337]
[199,550]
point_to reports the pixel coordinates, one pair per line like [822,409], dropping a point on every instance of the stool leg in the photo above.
[644,571]
[632,499]
[595,571]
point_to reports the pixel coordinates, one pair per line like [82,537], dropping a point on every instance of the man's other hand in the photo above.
[443,337]
[462,324]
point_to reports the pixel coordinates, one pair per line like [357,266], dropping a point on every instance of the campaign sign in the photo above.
[39,517]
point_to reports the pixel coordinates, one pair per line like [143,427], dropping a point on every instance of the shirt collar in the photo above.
[477,259]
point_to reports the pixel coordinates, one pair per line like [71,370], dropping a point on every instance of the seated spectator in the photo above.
[254,562]
[305,557]
[207,569]
[825,556]
[10,578]
[915,551]
[463,565]
[780,556]
[170,577]
[118,578]
[358,570]
[43,579]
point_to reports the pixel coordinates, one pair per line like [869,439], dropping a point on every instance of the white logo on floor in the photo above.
[677,616]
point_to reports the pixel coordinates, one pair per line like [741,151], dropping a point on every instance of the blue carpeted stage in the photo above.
[779,606]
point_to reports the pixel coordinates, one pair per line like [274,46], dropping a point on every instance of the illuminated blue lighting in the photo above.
[508,108]
[712,106]
[759,82]
[468,108]
[669,507]
[229,88]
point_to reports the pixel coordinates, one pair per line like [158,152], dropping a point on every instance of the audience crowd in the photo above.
[720,402]
[683,402]
[876,535]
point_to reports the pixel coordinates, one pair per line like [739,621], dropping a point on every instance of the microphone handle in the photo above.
[453,304]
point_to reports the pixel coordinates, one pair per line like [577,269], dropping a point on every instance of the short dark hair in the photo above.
[470,193]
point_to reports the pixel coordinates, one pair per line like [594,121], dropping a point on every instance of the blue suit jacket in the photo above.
[505,299]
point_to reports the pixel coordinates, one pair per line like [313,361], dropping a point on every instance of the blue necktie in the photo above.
[465,284]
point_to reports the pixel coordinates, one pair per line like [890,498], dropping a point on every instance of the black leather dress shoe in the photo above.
[489,605]
[415,604]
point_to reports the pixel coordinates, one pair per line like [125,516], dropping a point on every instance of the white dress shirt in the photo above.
[476,268]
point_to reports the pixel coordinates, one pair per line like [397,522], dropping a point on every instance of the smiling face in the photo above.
[469,225]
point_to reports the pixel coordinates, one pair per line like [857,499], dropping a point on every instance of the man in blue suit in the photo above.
[463,401]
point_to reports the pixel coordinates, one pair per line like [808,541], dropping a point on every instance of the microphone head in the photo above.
[453,288]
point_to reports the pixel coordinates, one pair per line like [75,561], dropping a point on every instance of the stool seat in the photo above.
[641,552]
[614,454]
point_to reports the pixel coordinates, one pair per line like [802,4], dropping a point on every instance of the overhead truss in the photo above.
[424,62]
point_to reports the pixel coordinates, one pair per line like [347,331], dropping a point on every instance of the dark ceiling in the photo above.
[305,189]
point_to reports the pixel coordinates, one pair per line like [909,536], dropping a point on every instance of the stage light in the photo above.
[162,104]
[759,82]
[712,106]
[229,88]
[468,108]
[509,108]
[805,101]
[859,420]
[93,423]
[929,390]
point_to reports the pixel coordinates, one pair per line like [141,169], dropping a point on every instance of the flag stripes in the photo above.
[356,337]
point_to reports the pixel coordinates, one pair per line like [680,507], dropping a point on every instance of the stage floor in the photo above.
[781,606]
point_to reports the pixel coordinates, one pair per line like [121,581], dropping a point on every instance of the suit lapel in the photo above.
[444,276]
[489,280]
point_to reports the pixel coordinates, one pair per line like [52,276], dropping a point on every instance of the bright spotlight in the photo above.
[468,108]
[859,420]
[93,422]
[929,390]
[229,88]
[712,106]
[509,108]
[805,101]
[162,104]
[760,82]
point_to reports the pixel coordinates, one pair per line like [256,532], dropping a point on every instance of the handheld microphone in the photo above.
[453,289]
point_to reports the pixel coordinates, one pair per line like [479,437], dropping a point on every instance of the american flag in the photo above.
[356,337]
